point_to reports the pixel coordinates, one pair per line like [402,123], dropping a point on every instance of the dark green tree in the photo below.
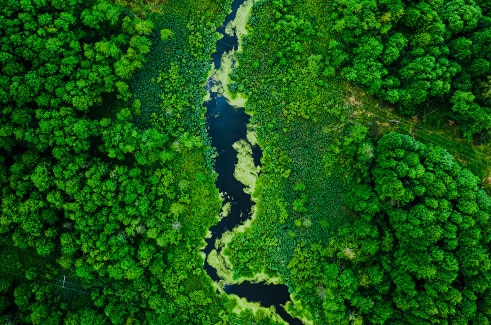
[423,253]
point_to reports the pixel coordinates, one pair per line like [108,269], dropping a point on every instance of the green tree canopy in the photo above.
[428,239]
[416,53]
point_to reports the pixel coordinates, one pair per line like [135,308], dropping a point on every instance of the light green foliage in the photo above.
[245,170]
[166,34]
[224,82]
[239,24]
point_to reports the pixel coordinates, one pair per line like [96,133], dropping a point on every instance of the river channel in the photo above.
[227,125]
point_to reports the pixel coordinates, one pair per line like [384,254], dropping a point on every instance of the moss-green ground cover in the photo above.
[299,191]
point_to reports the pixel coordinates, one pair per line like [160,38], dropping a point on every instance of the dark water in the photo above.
[227,42]
[227,125]
[267,294]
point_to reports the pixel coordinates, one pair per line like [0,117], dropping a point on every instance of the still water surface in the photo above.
[227,125]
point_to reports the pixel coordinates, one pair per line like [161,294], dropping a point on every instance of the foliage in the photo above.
[416,55]
[106,170]
[105,194]
[418,249]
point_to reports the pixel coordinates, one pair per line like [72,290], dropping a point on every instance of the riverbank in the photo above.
[237,164]
[302,180]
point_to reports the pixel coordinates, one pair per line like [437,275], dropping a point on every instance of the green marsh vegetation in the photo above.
[348,215]
[299,191]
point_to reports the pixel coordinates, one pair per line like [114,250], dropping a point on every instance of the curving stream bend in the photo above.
[227,125]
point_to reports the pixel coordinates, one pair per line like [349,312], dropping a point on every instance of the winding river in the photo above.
[227,125]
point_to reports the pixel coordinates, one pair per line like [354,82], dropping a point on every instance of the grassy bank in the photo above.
[301,132]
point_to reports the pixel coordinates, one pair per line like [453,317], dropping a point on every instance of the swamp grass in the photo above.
[292,112]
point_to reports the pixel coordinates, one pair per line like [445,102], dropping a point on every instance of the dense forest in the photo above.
[106,170]
[372,203]
[421,56]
